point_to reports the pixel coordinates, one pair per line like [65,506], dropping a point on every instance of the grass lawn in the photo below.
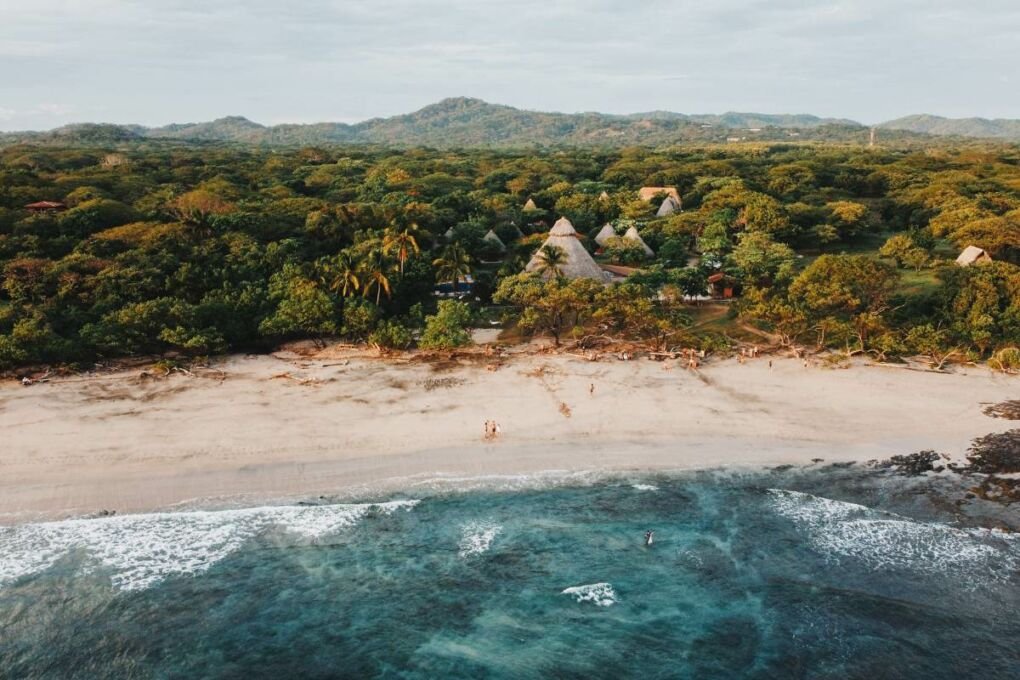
[917,283]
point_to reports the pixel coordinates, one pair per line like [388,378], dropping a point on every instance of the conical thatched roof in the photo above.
[633,235]
[668,207]
[495,240]
[607,232]
[579,264]
[604,196]
[530,205]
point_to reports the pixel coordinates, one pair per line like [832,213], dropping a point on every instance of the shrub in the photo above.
[391,334]
[447,328]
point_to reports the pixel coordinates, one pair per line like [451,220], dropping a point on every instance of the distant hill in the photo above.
[1002,128]
[467,122]
[744,121]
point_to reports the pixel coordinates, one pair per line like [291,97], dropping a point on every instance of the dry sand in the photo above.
[127,444]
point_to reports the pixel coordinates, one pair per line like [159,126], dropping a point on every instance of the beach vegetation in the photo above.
[449,327]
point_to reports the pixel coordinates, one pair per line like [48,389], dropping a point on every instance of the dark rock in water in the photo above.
[998,489]
[996,453]
[914,463]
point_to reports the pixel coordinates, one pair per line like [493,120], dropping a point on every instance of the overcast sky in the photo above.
[160,61]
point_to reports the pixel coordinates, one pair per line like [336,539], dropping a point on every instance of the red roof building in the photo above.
[46,206]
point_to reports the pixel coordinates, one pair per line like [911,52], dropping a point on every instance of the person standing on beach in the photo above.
[591,389]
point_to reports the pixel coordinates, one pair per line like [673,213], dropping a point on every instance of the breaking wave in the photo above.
[887,541]
[599,594]
[645,487]
[476,537]
[142,550]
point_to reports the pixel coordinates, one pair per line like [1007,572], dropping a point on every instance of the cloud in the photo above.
[142,61]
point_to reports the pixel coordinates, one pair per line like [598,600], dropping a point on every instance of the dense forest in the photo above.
[188,249]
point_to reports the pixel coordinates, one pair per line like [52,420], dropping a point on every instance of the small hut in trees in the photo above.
[604,196]
[721,285]
[668,207]
[605,233]
[45,206]
[530,205]
[633,235]
[578,264]
[494,240]
[449,234]
[973,255]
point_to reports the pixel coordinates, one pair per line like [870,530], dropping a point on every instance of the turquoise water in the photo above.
[781,574]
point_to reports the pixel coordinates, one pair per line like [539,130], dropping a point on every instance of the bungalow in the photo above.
[973,255]
[721,285]
[45,206]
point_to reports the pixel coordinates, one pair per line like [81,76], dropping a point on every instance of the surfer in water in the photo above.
[649,537]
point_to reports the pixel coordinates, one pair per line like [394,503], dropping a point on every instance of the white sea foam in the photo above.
[476,537]
[141,550]
[645,487]
[887,541]
[599,594]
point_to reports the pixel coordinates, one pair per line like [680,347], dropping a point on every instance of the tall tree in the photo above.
[454,264]
[551,260]
[402,244]
[376,269]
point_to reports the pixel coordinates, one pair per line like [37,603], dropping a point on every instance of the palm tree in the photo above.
[375,269]
[453,265]
[403,244]
[551,260]
[344,274]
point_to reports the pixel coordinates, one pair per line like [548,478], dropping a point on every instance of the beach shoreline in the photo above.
[347,426]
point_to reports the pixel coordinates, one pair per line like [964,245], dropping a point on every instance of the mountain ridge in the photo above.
[466,121]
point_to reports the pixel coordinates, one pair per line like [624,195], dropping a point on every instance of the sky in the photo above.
[155,62]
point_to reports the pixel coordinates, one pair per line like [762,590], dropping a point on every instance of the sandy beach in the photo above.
[353,425]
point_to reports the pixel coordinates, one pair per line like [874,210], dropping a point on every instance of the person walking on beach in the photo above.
[591,389]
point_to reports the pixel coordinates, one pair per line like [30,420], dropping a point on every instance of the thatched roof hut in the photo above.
[530,205]
[607,232]
[668,207]
[579,264]
[649,193]
[633,235]
[495,240]
[973,255]
[604,196]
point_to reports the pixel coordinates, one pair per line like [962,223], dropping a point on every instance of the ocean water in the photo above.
[791,573]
